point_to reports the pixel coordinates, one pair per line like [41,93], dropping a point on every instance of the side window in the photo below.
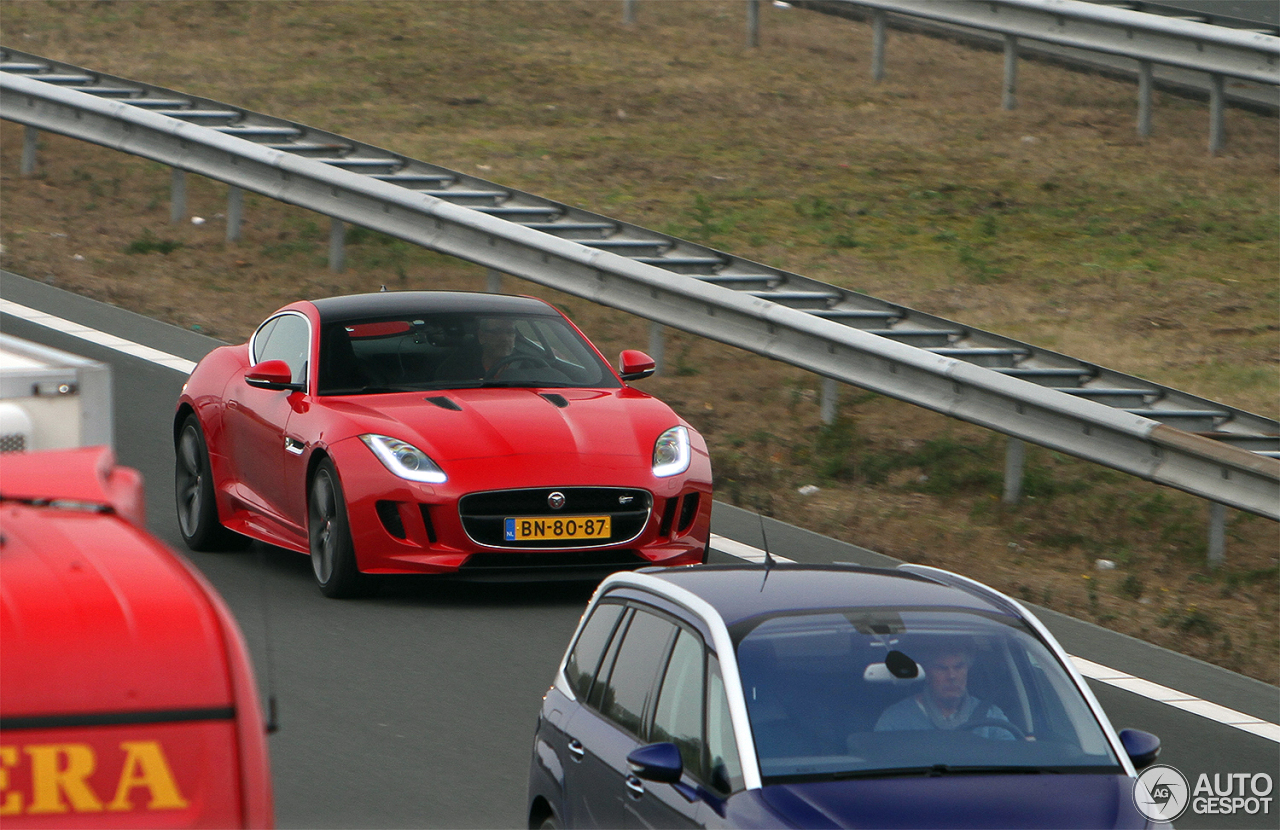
[580,668]
[287,338]
[678,717]
[635,670]
[262,336]
[596,695]
[722,751]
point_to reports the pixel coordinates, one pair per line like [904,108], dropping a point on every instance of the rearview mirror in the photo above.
[635,365]
[272,374]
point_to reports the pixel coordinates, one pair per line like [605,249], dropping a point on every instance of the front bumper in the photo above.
[399,526]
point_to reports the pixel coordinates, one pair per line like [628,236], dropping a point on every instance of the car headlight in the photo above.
[405,460]
[671,452]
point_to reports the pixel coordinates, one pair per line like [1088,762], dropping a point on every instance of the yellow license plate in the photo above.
[544,528]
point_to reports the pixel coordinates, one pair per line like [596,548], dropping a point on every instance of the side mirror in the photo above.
[1142,747]
[272,374]
[656,762]
[634,365]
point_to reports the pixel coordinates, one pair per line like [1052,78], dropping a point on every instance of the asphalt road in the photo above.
[415,708]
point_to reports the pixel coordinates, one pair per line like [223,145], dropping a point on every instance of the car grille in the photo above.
[483,514]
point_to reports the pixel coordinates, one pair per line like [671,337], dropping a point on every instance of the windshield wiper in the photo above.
[524,384]
[378,390]
[933,771]
[366,390]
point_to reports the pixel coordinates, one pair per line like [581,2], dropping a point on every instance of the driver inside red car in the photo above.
[483,359]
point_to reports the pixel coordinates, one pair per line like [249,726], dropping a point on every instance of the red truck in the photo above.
[127,697]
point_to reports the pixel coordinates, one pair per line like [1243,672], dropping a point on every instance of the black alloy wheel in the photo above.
[333,557]
[193,489]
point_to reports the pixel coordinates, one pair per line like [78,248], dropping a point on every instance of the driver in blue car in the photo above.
[945,702]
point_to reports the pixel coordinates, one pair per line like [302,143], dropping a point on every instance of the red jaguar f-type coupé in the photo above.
[436,432]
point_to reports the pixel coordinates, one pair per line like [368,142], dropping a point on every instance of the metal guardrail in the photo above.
[1169,41]
[1213,12]
[1015,388]
[1219,52]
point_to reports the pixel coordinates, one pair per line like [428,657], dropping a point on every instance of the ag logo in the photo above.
[1161,793]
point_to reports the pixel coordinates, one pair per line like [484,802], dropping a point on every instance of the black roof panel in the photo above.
[387,303]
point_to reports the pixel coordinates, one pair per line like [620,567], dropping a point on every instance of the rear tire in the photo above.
[333,557]
[194,492]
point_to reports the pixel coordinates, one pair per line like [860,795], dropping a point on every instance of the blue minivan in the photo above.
[823,696]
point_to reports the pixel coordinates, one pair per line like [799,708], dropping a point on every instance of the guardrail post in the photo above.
[337,245]
[878,29]
[657,345]
[493,281]
[177,195]
[1144,98]
[830,398]
[1010,72]
[30,136]
[1215,113]
[1015,454]
[628,11]
[1217,534]
[753,23]
[235,212]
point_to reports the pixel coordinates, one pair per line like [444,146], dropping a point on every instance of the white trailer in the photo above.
[50,399]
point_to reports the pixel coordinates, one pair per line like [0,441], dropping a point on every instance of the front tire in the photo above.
[333,557]
[193,489]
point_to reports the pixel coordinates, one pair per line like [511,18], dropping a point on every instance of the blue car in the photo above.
[823,696]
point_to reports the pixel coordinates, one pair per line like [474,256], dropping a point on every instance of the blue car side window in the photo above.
[722,748]
[678,716]
[635,670]
[584,660]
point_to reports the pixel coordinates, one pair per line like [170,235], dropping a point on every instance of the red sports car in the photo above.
[436,432]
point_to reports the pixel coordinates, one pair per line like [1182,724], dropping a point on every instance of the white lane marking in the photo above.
[99,337]
[1088,668]
[1092,670]
[1177,699]
[742,551]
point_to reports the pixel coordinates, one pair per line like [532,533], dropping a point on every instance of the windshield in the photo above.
[874,692]
[456,350]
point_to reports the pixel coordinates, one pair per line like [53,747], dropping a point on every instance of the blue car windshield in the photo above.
[867,692]
[456,350]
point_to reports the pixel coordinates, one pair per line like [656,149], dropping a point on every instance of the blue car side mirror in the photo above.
[656,762]
[1142,747]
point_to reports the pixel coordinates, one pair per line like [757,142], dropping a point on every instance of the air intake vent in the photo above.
[558,400]
[444,403]
[389,513]
[688,511]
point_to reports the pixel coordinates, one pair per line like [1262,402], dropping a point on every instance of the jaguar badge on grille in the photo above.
[556,500]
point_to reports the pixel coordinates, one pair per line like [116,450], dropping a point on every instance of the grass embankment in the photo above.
[1053,223]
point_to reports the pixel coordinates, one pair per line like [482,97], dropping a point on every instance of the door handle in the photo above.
[635,785]
[576,749]
[293,445]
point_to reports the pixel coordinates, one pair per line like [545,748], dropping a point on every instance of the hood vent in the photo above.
[558,400]
[444,403]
